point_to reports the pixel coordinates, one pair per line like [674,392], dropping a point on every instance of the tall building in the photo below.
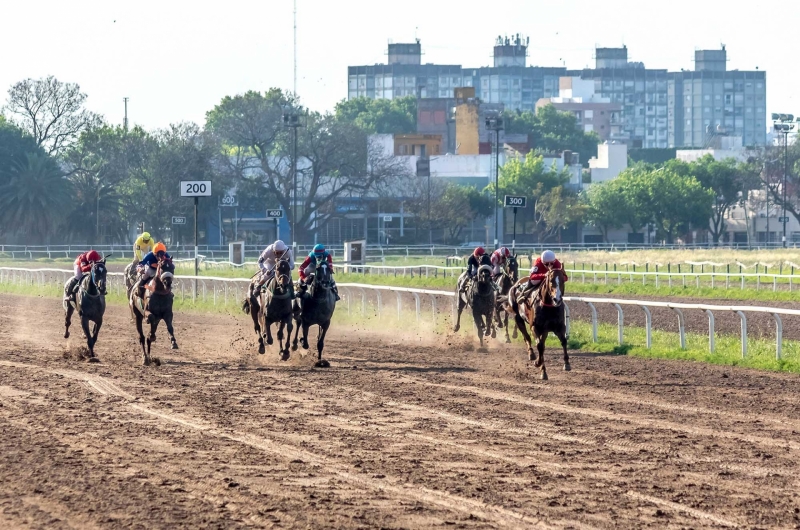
[659,109]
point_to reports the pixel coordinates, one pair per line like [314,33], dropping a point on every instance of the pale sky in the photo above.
[176,59]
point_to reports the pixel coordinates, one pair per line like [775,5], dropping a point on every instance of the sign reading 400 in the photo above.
[195,188]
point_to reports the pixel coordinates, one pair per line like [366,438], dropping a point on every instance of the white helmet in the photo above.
[279,246]
[548,256]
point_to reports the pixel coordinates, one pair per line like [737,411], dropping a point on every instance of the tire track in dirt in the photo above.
[699,514]
[393,485]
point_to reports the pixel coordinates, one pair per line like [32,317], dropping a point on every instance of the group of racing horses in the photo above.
[152,303]
[494,300]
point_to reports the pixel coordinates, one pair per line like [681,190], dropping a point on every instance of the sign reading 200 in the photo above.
[195,188]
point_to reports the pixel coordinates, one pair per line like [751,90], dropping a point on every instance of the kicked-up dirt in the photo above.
[403,431]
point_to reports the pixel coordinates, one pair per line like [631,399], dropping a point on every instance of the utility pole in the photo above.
[295,54]
[495,123]
[125,121]
[784,124]
[291,119]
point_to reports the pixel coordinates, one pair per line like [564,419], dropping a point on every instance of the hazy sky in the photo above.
[177,59]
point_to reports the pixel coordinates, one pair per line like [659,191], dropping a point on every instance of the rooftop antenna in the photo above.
[125,121]
[295,48]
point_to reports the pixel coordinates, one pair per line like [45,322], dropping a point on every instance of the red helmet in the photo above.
[93,255]
[505,252]
[480,251]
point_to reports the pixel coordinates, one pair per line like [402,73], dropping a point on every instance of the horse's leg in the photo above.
[304,340]
[461,306]
[520,323]
[323,329]
[288,322]
[68,319]
[151,338]
[170,330]
[490,322]
[297,324]
[477,317]
[255,314]
[97,325]
[279,335]
[562,336]
[514,335]
[140,329]
[541,339]
[268,331]
[88,335]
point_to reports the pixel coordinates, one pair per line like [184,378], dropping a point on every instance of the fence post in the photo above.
[744,333]
[416,300]
[380,301]
[566,316]
[648,325]
[620,320]
[710,330]
[363,303]
[778,336]
[399,303]
[681,326]
[433,309]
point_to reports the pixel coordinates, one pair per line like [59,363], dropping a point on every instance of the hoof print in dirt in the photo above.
[93,360]
[322,363]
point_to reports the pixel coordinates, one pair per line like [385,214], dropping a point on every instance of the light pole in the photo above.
[291,119]
[784,124]
[495,123]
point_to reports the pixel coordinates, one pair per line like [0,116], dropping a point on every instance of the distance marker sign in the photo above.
[515,201]
[195,188]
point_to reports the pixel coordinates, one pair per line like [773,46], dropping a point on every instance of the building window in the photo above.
[589,114]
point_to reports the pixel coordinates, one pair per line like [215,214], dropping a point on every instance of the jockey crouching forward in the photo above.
[544,263]
[147,267]
[475,261]
[499,259]
[309,267]
[142,246]
[81,266]
[267,262]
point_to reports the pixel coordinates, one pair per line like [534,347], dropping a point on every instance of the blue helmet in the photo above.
[319,248]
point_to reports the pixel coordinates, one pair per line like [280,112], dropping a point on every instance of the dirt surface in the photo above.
[401,432]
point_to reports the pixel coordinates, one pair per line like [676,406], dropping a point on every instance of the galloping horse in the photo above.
[506,280]
[273,305]
[480,296]
[90,302]
[317,309]
[543,311]
[154,306]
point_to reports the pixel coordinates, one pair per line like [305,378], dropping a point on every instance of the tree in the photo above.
[335,157]
[555,210]
[552,130]
[675,202]
[14,146]
[381,116]
[50,111]
[32,202]
[605,206]
[730,181]
[455,207]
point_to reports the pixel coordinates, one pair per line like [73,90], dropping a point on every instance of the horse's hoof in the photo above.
[261,349]
[156,361]
[269,341]
[304,345]
[567,367]
[508,341]
[285,356]
[494,334]
[531,356]
[514,335]
[93,359]
[66,335]
[322,363]
[174,345]
[294,347]
[456,328]
[538,363]
[544,376]
[500,325]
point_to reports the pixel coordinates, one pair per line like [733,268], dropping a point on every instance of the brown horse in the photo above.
[543,311]
[273,305]
[154,306]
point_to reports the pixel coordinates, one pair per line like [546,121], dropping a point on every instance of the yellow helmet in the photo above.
[145,236]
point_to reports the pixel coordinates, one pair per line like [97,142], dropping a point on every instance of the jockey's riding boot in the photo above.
[336,292]
[69,289]
[525,292]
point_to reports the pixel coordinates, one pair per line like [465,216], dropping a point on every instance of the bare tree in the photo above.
[52,112]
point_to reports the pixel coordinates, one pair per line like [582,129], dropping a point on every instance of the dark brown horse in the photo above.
[316,309]
[273,305]
[89,299]
[154,306]
[543,311]
[480,296]
[508,277]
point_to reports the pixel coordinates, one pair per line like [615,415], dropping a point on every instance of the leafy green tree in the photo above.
[454,207]
[552,130]
[382,116]
[676,202]
[555,210]
[605,206]
[14,146]
[32,202]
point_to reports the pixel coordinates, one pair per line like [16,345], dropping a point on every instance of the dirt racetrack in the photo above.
[401,432]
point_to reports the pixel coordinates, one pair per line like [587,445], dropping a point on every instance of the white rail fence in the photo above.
[741,280]
[233,289]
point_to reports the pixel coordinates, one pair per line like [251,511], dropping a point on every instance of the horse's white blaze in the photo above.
[165,275]
[558,289]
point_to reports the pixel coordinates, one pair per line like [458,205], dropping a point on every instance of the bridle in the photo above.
[100,290]
[545,290]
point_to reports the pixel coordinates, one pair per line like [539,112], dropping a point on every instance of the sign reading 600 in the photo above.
[195,188]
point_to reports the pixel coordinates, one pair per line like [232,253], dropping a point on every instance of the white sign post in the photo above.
[515,201]
[196,188]
[277,214]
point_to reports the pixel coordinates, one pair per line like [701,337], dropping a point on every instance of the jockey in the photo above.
[498,259]
[309,266]
[82,265]
[147,267]
[143,245]
[268,260]
[544,263]
[476,259]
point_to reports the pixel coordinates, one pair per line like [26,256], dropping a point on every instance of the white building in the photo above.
[611,160]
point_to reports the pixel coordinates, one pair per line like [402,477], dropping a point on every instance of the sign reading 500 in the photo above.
[195,188]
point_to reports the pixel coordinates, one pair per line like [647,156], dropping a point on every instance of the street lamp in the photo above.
[291,118]
[784,124]
[495,123]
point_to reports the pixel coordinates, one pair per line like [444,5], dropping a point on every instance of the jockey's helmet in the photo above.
[479,251]
[319,249]
[279,246]
[145,236]
[505,252]
[93,256]
[548,256]
[160,248]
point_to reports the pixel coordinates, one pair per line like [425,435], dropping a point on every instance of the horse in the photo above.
[154,306]
[481,297]
[317,308]
[90,302]
[543,312]
[273,305]
[507,279]
[130,274]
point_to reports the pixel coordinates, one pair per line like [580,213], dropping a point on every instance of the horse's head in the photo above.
[324,275]
[484,274]
[512,268]
[165,273]
[552,288]
[98,275]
